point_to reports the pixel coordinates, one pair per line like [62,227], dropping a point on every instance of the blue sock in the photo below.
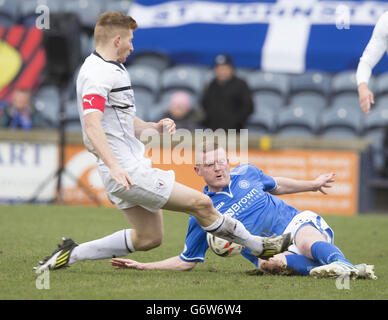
[325,253]
[301,264]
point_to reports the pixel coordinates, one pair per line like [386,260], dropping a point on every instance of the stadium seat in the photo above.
[243,73]
[145,77]
[87,45]
[27,10]
[73,123]
[375,126]
[87,10]
[297,121]
[153,59]
[380,85]
[142,110]
[313,100]
[262,121]
[144,100]
[341,122]
[346,98]
[8,12]
[47,101]
[182,77]
[6,21]
[311,81]
[118,5]
[268,99]
[259,81]
[381,99]
[156,112]
[344,82]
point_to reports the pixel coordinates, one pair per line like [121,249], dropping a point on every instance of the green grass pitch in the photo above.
[28,233]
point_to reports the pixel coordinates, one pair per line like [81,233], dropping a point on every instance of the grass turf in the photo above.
[28,233]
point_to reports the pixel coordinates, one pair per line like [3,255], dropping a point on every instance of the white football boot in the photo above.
[366,271]
[334,270]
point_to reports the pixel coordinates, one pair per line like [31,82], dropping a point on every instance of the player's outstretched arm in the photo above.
[372,54]
[163,126]
[173,263]
[287,185]
[97,137]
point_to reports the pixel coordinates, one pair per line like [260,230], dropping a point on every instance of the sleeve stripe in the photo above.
[189,259]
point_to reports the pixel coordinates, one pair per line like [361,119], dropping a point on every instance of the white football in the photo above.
[222,247]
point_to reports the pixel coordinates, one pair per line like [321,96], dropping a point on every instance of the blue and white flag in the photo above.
[274,35]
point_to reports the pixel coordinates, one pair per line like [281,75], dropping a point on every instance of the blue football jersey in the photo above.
[246,198]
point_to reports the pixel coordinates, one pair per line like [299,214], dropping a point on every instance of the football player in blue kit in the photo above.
[248,195]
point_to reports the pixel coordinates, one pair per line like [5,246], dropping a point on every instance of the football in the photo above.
[223,248]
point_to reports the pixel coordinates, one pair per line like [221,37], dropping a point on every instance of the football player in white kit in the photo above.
[110,129]
[377,45]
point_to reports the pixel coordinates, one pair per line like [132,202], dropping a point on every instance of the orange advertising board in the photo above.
[342,198]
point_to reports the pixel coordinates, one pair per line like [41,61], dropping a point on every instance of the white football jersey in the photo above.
[105,86]
[377,45]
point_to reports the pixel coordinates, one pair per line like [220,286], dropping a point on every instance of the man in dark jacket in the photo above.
[227,100]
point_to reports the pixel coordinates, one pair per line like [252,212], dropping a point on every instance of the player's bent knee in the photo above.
[148,242]
[202,206]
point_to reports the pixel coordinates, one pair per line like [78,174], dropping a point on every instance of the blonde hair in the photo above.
[203,148]
[112,22]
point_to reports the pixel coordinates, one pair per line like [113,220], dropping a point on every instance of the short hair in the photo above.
[110,22]
[203,148]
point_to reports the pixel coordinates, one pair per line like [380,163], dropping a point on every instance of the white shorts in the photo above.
[308,217]
[151,190]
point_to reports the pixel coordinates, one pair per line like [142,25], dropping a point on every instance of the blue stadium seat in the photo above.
[268,99]
[262,121]
[318,82]
[313,100]
[297,121]
[145,77]
[259,81]
[375,126]
[153,59]
[341,122]
[182,77]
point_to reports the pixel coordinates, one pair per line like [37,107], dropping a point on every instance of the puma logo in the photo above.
[90,101]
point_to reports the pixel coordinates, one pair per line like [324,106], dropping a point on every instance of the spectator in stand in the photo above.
[227,101]
[21,114]
[182,112]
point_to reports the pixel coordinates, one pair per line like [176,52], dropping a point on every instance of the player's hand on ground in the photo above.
[323,181]
[126,264]
[120,176]
[366,97]
[166,125]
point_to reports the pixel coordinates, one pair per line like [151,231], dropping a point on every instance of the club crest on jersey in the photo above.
[160,184]
[244,184]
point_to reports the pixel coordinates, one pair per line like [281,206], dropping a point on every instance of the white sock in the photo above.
[233,230]
[117,244]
